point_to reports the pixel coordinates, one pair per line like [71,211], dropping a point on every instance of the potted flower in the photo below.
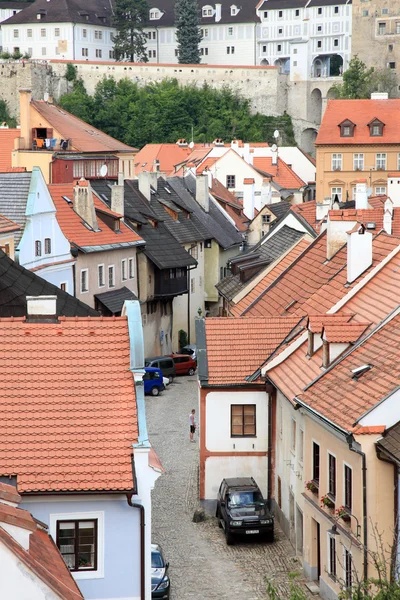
[311,487]
[327,502]
[343,513]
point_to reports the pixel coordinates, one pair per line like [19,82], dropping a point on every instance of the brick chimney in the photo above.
[248,198]
[202,193]
[117,196]
[84,203]
[359,251]
[25,97]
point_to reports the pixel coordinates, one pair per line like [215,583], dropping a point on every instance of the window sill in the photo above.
[235,437]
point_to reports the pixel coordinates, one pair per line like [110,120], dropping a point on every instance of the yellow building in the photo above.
[8,229]
[357,139]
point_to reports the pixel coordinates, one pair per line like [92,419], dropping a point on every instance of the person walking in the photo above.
[192,424]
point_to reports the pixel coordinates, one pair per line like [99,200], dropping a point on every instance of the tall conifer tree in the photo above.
[187,21]
[130,41]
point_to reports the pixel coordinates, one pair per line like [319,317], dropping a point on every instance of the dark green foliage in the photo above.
[360,82]
[164,112]
[187,19]
[5,115]
[183,339]
[130,41]
[70,74]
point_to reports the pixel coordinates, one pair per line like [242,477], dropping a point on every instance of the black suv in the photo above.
[242,510]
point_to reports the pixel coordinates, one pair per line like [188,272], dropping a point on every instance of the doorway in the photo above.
[315,570]
[299,531]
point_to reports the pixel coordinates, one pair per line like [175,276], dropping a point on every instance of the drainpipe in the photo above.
[73,41]
[142,543]
[271,399]
[365,521]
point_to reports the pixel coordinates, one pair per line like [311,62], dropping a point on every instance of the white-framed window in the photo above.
[43,32]
[47,245]
[234,10]
[98,53]
[381,28]
[204,33]
[38,248]
[84,281]
[353,192]
[207,11]
[332,556]
[16,33]
[131,268]
[84,33]
[94,524]
[98,35]
[332,475]
[265,14]
[111,54]
[336,161]
[280,14]
[381,161]
[230,30]
[301,446]
[64,286]
[29,33]
[111,276]
[124,275]
[44,51]
[57,32]
[336,191]
[100,273]
[279,48]
[347,487]
[347,569]
[358,161]
[293,436]
[380,190]
[85,52]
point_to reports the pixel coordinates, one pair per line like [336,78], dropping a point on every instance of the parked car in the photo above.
[190,349]
[160,584]
[242,510]
[153,381]
[184,364]
[165,363]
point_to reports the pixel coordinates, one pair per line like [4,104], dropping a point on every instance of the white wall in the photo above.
[218,467]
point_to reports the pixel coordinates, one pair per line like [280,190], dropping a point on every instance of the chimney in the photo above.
[359,251]
[325,354]
[202,193]
[218,142]
[387,222]
[274,154]
[153,177]
[322,209]
[218,12]
[379,96]
[25,97]
[361,194]
[117,195]
[393,189]
[84,204]
[156,165]
[248,198]
[144,184]
[210,179]
[310,343]
[41,308]
[266,192]
[336,235]
[182,143]
[246,153]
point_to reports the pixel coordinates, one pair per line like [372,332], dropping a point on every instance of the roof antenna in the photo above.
[191,145]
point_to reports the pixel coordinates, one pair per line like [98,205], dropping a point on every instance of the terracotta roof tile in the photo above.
[73,226]
[17,517]
[307,210]
[366,215]
[360,112]
[6,225]
[7,137]
[9,493]
[257,338]
[168,156]
[281,173]
[206,164]
[316,323]
[85,137]
[358,430]
[344,332]
[79,420]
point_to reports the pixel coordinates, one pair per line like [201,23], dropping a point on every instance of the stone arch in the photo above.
[315,107]
[331,94]
[335,65]
[264,62]
[307,140]
[283,64]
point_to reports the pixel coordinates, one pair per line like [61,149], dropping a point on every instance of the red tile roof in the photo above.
[266,281]
[222,193]
[256,338]
[344,332]
[84,137]
[73,226]
[374,430]
[79,420]
[168,156]
[7,137]
[360,112]
[9,493]
[6,225]
[281,173]
[316,323]
[366,215]
[342,399]
[307,210]
[207,164]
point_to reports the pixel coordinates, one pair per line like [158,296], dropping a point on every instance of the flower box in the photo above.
[343,514]
[311,486]
[327,502]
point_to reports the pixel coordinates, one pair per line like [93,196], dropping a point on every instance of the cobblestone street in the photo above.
[202,566]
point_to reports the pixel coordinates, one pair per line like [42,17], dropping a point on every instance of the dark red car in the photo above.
[184,364]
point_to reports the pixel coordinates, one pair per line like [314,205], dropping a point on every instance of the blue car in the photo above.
[153,381]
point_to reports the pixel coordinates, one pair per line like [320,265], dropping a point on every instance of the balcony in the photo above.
[169,286]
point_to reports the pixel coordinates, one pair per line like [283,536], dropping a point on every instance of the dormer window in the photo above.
[346,128]
[155,14]
[376,127]
[234,10]
[207,11]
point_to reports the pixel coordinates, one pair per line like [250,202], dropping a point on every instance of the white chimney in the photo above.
[144,184]
[266,192]
[202,194]
[246,153]
[248,198]
[387,222]
[41,307]
[84,203]
[336,235]
[210,179]
[156,165]
[322,209]
[218,12]
[379,96]
[359,251]
[274,154]
[361,194]
[117,195]
[393,189]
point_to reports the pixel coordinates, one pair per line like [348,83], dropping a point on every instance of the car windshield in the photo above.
[237,499]
[156,560]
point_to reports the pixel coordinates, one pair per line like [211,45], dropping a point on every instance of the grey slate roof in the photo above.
[390,443]
[161,247]
[14,190]
[16,283]
[279,209]
[214,224]
[264,253]
[90,12]
[114,300]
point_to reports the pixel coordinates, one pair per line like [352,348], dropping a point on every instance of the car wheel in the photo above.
[229,537]
[155,391]
[170,379]
[191,371]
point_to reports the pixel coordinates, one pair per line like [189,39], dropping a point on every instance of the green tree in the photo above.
[5,115]
[187,20]
[78,102]
[130,41]
[357,81]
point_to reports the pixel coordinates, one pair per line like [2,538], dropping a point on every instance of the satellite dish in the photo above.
[276,134]
[191,145]
[369,191]
[46,97]
[103,170]
[274,147]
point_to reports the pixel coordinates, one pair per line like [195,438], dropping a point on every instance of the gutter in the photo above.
[365,520]
[142,543]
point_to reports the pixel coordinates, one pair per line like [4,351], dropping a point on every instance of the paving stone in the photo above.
[202,566]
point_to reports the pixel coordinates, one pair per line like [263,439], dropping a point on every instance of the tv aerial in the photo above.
[104,170]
